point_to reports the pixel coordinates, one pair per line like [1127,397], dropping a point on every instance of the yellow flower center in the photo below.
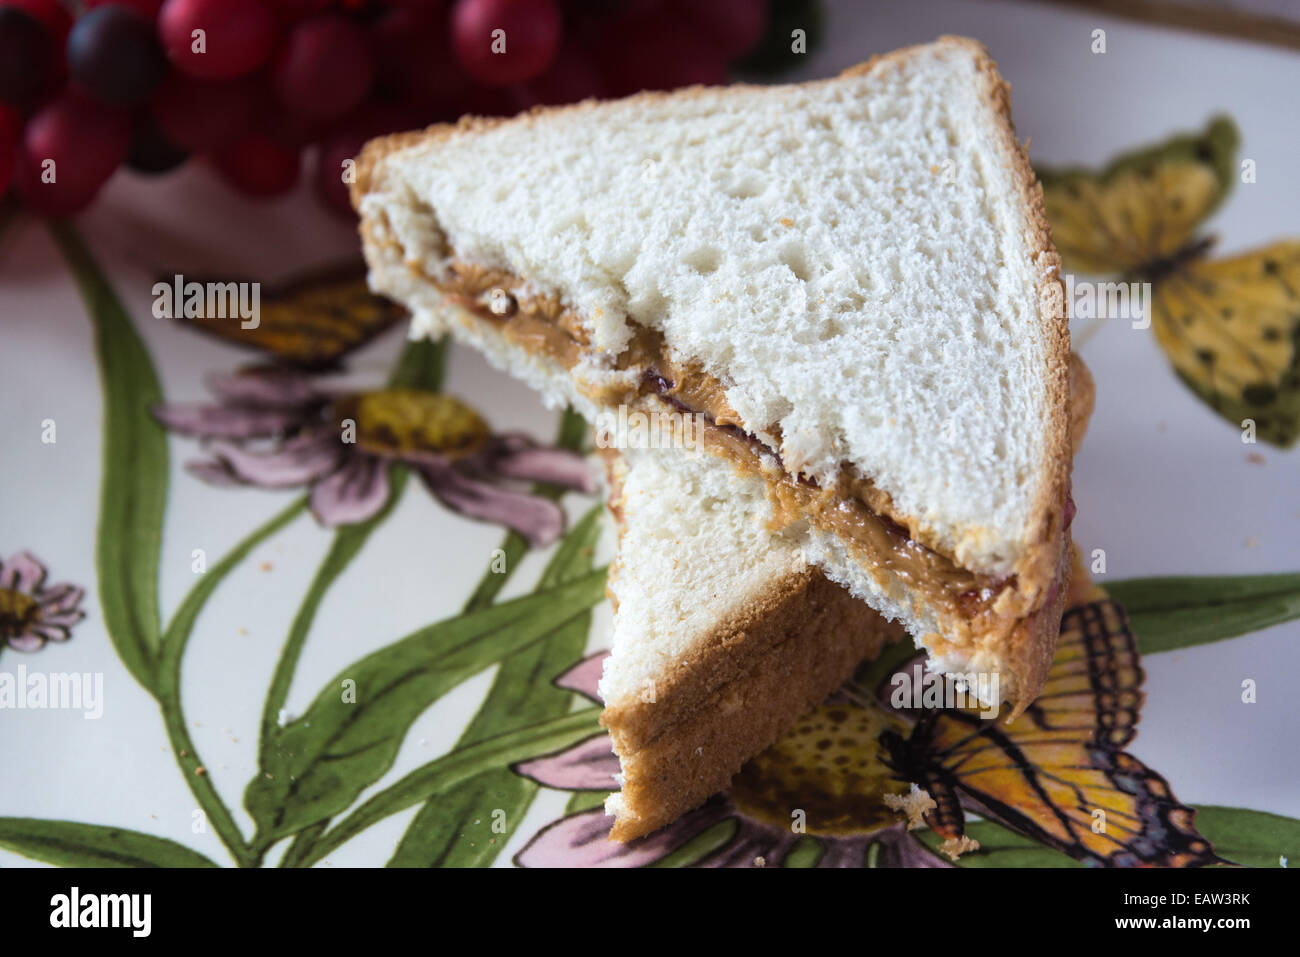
[831,767]
[17,612]
[396,421]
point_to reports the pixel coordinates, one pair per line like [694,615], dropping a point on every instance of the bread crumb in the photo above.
[955,847]
[914,804]
[786,221]
[200,770]
[760,862]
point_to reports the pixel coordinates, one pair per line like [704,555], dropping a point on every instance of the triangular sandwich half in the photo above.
[851,280]
[724,636]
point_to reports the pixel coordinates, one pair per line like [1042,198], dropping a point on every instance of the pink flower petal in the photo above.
[582,840]
[62,597]
[537,519]
[27,642]
[589,765]
[214,472]
[224,421]
[22,573]
[303,459]
[271,387]
[584,677]
[49,632]
[537,464]
[63,618]
[354,493]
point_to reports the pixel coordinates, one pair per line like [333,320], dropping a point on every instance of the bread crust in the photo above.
[1041,572]
[823,632]
[753,676]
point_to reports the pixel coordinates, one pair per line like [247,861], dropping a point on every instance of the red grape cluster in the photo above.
[259,87]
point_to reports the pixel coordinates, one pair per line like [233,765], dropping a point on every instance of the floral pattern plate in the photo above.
[311,595]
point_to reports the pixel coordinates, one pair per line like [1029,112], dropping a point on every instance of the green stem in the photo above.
[302,843]
[168,685]
[446,772]
[347,542]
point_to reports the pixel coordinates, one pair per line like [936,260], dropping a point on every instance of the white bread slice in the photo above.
[856,271]
[723,634]
[723,638]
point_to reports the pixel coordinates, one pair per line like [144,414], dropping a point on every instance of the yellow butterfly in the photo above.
[1231,327]
[1058,773]
[311,321]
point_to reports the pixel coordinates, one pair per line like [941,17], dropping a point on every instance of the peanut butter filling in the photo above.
[851,508]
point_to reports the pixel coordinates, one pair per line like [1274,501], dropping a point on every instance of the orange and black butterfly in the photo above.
[311,321]
[1058,773]
[1230,327]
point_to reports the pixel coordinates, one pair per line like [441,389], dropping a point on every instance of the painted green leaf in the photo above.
[70,844]
[133,490]
[455,830]
[1249,838]
[1171,613]
[319,763]
[168,683]
[446,772]
[1000,847]
[580,801]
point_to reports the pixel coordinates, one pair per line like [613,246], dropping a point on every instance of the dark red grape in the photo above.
[51,14]
[200,115]
[572,77]
[11,131]
[69,150]
[236,36]
[146,8]
[427,6]
[150,151]
[500,42]
[413,58]
[114,55]
[258,166]
[291,11]
[733,27]
[324,68]
[27,57]
[372,119]
[654,53]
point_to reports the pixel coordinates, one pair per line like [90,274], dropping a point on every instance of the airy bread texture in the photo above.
[861,264]
[801,242]
[723,635]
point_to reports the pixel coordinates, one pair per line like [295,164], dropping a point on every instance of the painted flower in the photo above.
[273,427]
[31,612]
[841,789]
